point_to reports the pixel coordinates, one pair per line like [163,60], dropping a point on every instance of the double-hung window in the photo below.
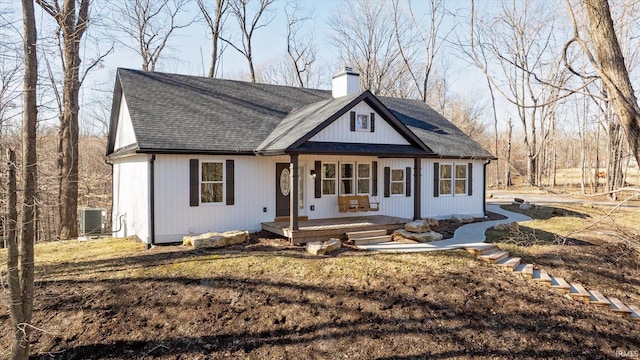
[460,180]
[364,178]
[329,177]
[346,178]
[211,182]
[453,179]
[397,182]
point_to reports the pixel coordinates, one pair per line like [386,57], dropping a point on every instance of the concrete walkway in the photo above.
[465,236]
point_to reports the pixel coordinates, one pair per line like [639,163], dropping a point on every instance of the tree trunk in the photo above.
[613,72]
[72,26]
[20,259]
[507,167]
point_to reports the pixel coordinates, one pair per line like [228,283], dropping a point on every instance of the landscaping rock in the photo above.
[315,248]
[321,248]
[513,226]
[333,244]
[419,237]
[501,227]
[462,219]
[421,226]
[215,239]
[526,206]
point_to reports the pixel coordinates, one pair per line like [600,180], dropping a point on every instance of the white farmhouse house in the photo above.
[194,154]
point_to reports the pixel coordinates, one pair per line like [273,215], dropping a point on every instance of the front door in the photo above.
[283,189]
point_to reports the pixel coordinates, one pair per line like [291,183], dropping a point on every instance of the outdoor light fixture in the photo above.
[313,173]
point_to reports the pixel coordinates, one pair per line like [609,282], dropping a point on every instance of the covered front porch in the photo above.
[324,229]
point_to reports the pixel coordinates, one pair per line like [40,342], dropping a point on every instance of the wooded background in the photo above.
[545,106]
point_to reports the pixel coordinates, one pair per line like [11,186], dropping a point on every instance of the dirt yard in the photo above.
[112,299]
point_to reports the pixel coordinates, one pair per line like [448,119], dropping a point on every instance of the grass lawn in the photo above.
[111,298]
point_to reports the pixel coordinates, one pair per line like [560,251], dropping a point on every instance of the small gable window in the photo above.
[211,182]
[362,122]
[397,182]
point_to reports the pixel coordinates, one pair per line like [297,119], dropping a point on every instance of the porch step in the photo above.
[598,299]
[372,240]
[579,293]
[524,270]
[494,256]
[541,276]
[365,234]
[560,284]
[481,249]
[287,218]
[509,263]
[618,307]
[635,312]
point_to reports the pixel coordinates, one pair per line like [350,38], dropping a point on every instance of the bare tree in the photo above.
[72,23]
[521,39]
[150,23]
[609,65]
[215,24]
[20,259]
[408,27]
[248,24]
[370,46]
[301,50]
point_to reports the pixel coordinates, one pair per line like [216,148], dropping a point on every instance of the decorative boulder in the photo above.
[215,239]
[526,206]
[462,219]
[501,227]
[420,226]
[513,226]
[321,248]
[419,237]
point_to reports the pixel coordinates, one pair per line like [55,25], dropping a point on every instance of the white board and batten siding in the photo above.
[254,190]
[131,197]
[124,134]
[339,130]
[327,205]
[443,206]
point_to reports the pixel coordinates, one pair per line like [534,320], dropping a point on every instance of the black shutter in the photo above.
[353,121]
[436,179]
[317,190]
[387,181]
[470,179]
[230,182]
[374,178]
[407,180]
[373,122]
[194,182]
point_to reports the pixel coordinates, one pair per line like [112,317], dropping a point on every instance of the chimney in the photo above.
[346,82]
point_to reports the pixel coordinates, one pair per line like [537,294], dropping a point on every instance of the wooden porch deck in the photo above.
[324,229]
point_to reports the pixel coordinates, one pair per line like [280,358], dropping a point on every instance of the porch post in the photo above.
[293,182]
[417,187]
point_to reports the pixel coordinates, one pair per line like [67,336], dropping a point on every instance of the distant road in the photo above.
[501,197]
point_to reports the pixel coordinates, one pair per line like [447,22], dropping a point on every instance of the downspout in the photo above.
[152,200]
[484,187]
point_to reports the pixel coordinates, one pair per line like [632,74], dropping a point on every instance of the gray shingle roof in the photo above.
[189,114]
